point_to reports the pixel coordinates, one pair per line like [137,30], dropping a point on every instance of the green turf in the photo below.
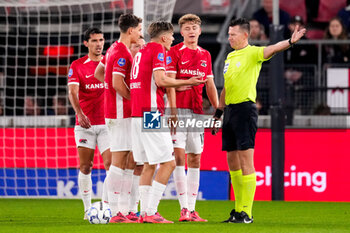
[41,215]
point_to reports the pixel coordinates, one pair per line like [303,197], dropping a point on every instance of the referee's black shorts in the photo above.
[239,126]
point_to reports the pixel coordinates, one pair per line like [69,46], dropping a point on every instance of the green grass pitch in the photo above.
[47,215]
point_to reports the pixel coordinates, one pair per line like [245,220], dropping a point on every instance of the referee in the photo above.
[241,72]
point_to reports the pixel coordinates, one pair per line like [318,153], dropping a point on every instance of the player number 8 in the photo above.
[135,68]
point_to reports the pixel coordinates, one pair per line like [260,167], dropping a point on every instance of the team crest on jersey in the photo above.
[83,141]
[204,63]
[168,60]
[121,61]
[161,56]
[226,67]
[70,73]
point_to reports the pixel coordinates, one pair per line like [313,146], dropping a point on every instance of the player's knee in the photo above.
[194,160]
[85,168]
[138,170]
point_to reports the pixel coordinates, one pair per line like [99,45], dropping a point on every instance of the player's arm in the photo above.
[100,73]
[74,100]
[271,50]
[163,81]
[171,92]
[120,86]
[212,92]
[172,104]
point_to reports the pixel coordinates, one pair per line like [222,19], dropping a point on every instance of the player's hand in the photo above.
[172,121]
[297,34]
[197,80]
[84,121]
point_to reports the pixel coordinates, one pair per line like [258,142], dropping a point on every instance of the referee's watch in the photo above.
[290,42]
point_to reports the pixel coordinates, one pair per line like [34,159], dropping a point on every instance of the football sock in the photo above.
[135,194]
[156,194]
[192,187]
[248,192]
[114,185]
[144,197]
[123,202]
[236,179]
[180,180]
[105,190]
[85,187]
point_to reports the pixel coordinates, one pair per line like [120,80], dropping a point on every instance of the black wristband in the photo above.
[218,113]
[290,42]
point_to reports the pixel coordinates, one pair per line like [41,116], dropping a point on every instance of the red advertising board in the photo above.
[316,161]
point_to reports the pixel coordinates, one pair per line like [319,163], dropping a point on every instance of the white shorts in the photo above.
[190,140]
[150,147]
[119,134]
[96,134]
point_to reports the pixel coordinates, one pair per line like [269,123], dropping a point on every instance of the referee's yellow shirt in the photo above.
[241,72]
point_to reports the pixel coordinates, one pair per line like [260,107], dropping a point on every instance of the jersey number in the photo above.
[135,68]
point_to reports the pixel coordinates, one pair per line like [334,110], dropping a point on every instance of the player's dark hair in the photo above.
[242,23]
[127,21]
[157,28]
[91,31]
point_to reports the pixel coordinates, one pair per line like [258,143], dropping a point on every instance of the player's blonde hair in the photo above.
[190,18]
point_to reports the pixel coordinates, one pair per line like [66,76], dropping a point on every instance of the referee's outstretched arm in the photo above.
[271,50]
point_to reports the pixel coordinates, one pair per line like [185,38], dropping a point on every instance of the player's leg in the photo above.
[86,158]
[145,186]
[126,186]
[103,147]
[159,150]
[115,180]
[86,142]
[180,178]
[139,153]
[120,145]
[107,159]
[194,147]
[134,194]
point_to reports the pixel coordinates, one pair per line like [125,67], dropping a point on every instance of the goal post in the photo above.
[39,41]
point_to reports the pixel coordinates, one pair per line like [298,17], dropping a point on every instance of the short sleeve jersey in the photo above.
[241,72]
[118,60]
[91,90]
[186,63]
[145,94]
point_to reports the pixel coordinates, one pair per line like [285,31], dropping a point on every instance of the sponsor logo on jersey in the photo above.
[196,72]
[160,56]
[168,60]
[94,86]
[88,76]
[135,85]
[184,62]
[121,61]
[152,120]
[70,73]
